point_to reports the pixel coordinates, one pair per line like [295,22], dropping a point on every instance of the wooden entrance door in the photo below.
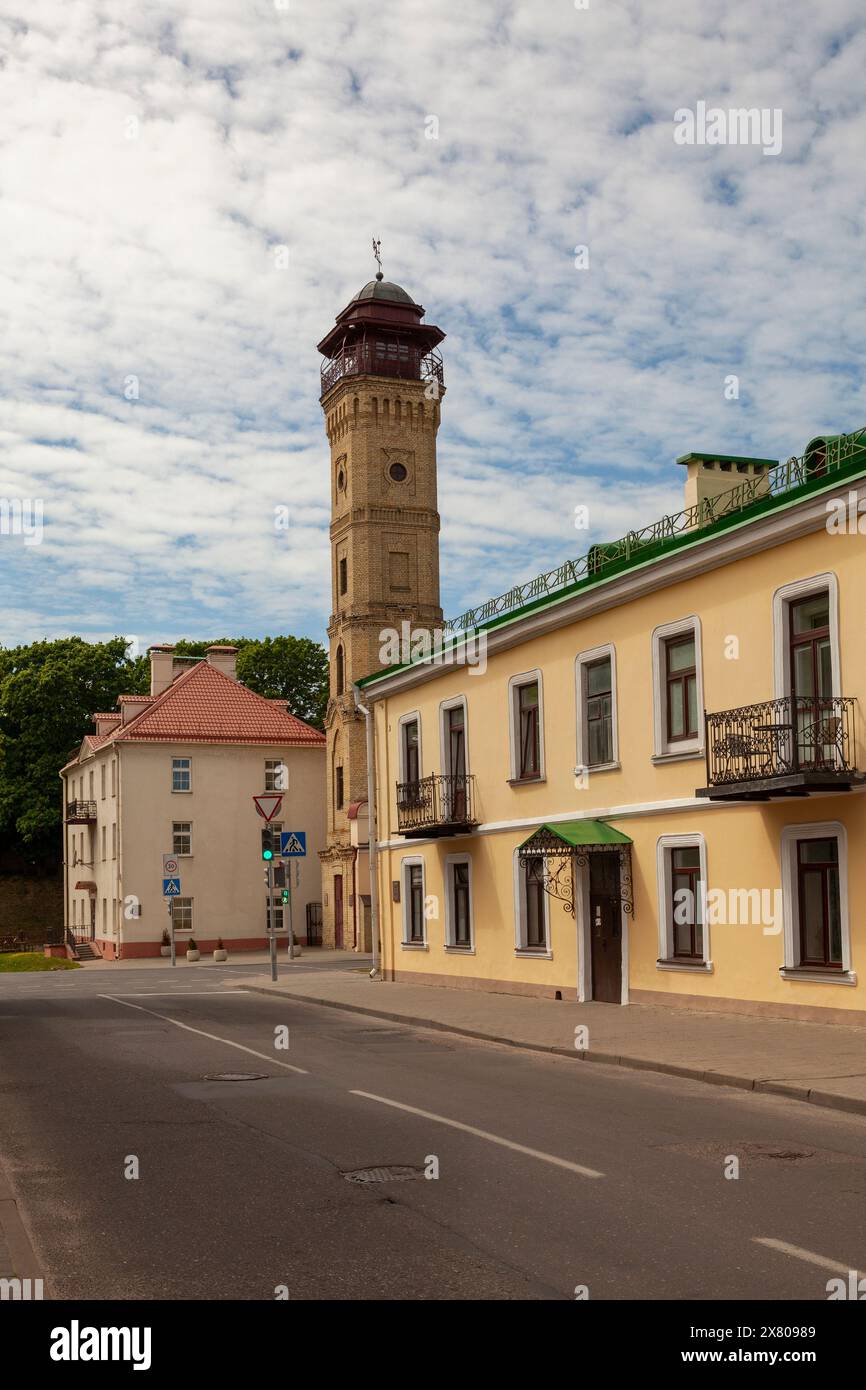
[605,927]
[338,911]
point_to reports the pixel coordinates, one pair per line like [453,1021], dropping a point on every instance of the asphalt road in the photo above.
[551,1175]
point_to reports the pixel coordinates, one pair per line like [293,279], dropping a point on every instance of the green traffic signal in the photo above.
[267,854]
[285,895]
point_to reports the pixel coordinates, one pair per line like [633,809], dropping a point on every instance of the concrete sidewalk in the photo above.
[817,1062]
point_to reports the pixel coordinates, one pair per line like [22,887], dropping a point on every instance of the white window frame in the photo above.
[272,766]
[181,791]
[515,684]
[102,782]
[450,944]
[791,969]
[582,660]
[520,918]
[444,707]
[663,750]
[414,716]
[783,598]
[177,852]
[175,902]
[409,862]
[277,907]
[664,845]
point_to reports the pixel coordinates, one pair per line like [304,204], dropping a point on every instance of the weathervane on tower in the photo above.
[377,252]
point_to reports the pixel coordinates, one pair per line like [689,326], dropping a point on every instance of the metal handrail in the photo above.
[775,482]
[361,359]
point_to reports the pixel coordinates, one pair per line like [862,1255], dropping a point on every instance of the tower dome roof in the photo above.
[384,289]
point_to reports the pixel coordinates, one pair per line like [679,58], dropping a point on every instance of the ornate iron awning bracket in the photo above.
[560,859]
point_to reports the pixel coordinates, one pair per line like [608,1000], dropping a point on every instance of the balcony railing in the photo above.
[365,359]
[784,746]
[436,805]
[80,812]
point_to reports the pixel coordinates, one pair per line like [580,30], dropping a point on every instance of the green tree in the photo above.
[294,669]
[49,692]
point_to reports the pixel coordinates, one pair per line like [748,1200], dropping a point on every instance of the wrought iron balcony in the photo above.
[436,805]
[80,812]
[369,358]
[786,747]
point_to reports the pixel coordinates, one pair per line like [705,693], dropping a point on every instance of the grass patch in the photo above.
[28,960]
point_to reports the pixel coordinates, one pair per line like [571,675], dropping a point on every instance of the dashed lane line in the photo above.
[799,1253]
[484,1134]
[214,1037]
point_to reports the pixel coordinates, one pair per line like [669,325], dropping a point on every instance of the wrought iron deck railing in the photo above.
[755,489]
[778,738]
[362,359]
[80,812]
[435,803]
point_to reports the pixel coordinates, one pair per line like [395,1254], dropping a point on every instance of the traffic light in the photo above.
[267,844]
[285,895]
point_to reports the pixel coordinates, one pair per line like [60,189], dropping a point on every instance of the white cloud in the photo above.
[152,158]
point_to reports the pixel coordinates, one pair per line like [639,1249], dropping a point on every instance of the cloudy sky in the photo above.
[158,370]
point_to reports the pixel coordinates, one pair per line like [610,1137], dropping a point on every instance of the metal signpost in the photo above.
[170,890]
[293,845]
[267,805]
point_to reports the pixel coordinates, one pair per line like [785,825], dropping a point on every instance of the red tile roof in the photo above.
[206,706]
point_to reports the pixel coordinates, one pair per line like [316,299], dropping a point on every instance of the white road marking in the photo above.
[172,994]
[484,1134]
[272,1061]
[800,1254]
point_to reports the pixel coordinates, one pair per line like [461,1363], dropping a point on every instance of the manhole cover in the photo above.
[388,1172]
[237,1076]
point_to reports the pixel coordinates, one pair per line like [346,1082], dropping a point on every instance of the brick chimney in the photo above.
[225,659]
[161,668]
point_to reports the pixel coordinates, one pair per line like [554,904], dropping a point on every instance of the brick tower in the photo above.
[382,386]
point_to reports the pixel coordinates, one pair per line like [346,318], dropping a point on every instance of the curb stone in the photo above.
[852,1104]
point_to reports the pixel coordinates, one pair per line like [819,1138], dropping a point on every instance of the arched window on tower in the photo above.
[340,672]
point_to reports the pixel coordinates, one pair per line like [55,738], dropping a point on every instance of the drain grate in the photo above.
[386,1172]
[236,1076]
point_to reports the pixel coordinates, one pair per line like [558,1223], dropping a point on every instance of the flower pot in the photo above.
[193,955]
[165,951]
[221,955]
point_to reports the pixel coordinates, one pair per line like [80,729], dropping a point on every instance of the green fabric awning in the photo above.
[579,832]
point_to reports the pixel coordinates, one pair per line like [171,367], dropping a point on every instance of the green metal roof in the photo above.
[582,832]
[779,488]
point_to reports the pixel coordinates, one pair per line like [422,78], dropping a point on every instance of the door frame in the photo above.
[583,921]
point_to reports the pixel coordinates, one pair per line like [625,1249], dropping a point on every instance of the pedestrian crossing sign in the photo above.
[293,844]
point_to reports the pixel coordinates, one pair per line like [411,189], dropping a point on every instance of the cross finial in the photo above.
[377,252]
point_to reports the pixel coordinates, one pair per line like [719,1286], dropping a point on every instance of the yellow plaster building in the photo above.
[640,777]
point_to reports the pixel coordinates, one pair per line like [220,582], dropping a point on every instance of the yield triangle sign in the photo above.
[268,803]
